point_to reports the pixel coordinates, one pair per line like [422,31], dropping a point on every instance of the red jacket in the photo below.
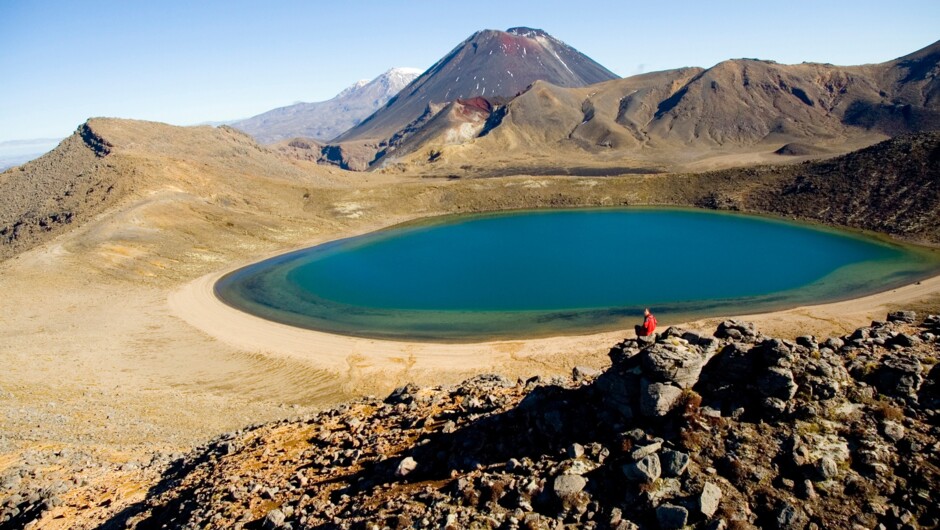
[649,325]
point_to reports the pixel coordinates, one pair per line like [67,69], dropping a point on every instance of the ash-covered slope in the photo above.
[684,430]
[491,64]
[325,120]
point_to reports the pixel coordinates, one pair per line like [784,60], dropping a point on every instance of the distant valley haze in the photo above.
[16,152]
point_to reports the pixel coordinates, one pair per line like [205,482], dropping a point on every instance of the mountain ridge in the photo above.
[689,114]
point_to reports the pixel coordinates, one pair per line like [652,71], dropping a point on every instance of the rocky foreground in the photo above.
[734,430]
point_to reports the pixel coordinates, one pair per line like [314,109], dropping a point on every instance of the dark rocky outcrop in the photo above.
[892,187]
[818,433]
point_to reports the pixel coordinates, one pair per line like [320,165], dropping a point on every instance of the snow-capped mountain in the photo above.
[327,119]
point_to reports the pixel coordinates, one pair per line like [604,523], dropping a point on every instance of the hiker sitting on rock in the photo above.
[648,326]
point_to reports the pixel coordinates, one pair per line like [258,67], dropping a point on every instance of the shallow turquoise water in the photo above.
[539,273]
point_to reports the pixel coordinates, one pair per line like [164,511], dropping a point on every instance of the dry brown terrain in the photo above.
[739,111]
[106,360]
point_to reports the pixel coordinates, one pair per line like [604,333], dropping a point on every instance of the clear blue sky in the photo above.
[185,62]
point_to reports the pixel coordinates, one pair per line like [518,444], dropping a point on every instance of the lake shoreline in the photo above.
[275,289]
[198,304]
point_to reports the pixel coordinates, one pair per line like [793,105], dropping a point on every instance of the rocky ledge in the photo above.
[733,430]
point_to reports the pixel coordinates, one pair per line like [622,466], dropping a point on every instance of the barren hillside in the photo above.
[108,162]
[737,112]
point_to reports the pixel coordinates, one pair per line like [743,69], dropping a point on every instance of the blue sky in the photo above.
[186,62]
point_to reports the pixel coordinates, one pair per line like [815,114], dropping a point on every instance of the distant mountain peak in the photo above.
[492,64]
[327,119]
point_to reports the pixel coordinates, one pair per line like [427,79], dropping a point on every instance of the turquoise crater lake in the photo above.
[543,273]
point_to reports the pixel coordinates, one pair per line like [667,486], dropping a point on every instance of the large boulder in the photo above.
[618,390]
[775,352]
[658,399]
[676,364]
[777,382]
[899,375]
[733,364]
[735,330]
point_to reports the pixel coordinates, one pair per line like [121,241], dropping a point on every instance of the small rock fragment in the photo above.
[892,430]
[273,520]
[826,468]
[406,466]
[647,469]
[674,463]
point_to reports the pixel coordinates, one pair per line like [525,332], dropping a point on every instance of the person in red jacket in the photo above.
[649,324]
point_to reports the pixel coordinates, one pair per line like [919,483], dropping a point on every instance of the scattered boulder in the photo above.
[671,517]
[734,330]
[673,463]
[709,499]
[775,352]
[575,450]
[565,486]
[645,470]
[808,341]
[732,365]
[908,317]
[777,383]
[892,430]
[899,375]
[403,394]
[274,520]
[905,341]
[826,468]
[675,364]
[645,450]
[582,373]
[790,517]
[658,399]
[405,467]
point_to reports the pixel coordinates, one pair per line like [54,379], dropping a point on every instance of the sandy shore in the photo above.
[197,304]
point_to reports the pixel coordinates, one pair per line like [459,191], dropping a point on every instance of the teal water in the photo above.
[541,273]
